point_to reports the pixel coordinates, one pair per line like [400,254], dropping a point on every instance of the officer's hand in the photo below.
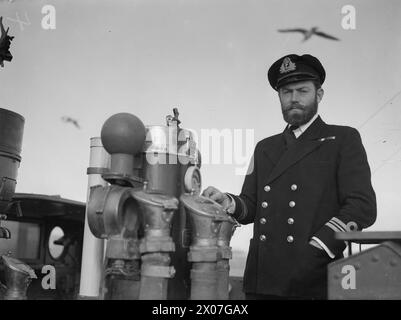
[218,196]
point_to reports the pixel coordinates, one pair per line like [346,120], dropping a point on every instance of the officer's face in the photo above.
[299,101]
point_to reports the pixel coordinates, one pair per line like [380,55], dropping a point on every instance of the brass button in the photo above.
[294,187]
[290,221]
[264,204]
[262,237]
[292,204]
[267,188]
[262,220]
[290,239]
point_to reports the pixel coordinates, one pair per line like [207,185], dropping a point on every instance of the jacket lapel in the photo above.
[275,150]
[305,144]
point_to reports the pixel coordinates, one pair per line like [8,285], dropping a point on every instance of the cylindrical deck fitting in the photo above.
[112,214]
[223,279]
[155,273]
[121,279]
[206,217]
[93,248]
[17,276]
[122,163]
[112,209]
[123,136]
[204,281]
[157,213]
[11,132]
[166,158]
[223,266]
[161,161]
[204,272]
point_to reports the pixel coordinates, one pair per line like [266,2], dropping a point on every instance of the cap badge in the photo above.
[287,65]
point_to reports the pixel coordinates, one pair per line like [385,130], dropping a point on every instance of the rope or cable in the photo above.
[379,110]
[384,162]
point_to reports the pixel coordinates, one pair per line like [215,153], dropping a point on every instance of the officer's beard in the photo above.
[302,115]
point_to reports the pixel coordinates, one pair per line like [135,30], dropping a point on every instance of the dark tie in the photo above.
[289,135]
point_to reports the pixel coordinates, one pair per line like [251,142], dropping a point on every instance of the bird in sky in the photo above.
[71,120]
[5,41]
[309,33]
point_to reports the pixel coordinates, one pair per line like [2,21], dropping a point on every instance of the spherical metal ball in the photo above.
[123,133]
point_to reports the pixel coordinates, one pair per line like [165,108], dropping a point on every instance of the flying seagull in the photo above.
[309,33]
[71,120]
[5,41]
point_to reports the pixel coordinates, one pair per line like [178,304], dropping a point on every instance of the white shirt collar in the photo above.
[302,128]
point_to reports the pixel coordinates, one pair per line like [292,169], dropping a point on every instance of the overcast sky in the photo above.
[209,59]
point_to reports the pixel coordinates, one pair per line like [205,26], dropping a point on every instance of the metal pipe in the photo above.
[157,213]
[225,254]
[93,248]
[121,276]
[203,273]
[11,133]
[155,274]
[223,279]
[206,217]
[18,276]
[113,213]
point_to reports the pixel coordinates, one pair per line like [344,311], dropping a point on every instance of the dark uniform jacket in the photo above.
[319,185]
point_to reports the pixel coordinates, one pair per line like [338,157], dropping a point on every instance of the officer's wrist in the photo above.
[231,207]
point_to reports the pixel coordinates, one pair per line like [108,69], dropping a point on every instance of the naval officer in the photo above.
[303,185]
